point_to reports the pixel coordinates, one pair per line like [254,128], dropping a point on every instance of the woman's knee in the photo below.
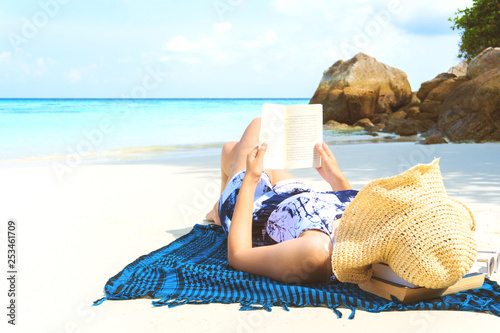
[255,124]
[256,121]
[250,138]
[228,147]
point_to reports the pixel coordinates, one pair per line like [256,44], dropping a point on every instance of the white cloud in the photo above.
[42,66]
[76,75]
[222,27]
[191,60]
[216,47]
[181,44]
[287,7]
[258,67]
[429,19]
[5,56]
[303,8]
[21,66]
[367,9]
[267,39]
[125,60]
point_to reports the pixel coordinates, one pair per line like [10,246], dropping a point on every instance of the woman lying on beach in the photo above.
[277,226]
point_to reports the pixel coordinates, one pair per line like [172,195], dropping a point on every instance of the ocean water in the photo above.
[120,129]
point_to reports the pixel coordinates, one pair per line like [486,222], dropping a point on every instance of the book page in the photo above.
[303,129]
[383,271]
[272,131]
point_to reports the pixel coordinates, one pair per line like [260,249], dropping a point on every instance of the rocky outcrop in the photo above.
[460,69]
[432,94]
[367,125]
[336,126]
[451,106]
[435,139]
[360,88]
[428,86]
[472,110]
[484,62]
[407,127]
[410,110]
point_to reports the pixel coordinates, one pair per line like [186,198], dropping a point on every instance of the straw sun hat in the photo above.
[410,223]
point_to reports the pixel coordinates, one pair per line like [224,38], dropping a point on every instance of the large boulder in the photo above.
[428,86]
[460,69]
[441,88]
[336,126]
[359,88]
[410,110]
[367,125]
[472,111]
[407,127]
[435,139]
[484,62]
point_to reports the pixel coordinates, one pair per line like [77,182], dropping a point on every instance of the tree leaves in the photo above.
[480,27]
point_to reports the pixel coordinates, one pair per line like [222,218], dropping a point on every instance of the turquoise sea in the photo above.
[124,129]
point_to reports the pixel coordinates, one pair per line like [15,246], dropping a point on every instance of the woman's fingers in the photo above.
[255,159]
[324,150]
[261,151]
[327,149]
[253,153]
[321,150]
[258,153]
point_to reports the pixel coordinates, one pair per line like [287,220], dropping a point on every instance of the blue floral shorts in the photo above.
[285,210]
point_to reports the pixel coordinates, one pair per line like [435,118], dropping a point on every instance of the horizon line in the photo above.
[149,98]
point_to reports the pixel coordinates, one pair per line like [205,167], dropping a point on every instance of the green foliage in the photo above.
[480,25]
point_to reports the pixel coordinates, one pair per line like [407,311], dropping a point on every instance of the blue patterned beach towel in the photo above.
[194,269]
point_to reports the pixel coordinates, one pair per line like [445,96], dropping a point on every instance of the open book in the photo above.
[291,133]
[486,262]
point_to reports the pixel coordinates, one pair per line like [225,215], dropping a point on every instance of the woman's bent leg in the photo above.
[233,160]
[227,154]
[249,140]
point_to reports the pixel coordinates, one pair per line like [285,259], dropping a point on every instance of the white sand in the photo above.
[76,233]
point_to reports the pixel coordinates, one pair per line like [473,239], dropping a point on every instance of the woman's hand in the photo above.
[330,170]
[255,163]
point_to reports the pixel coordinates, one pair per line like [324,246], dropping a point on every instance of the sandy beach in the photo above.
[75,232]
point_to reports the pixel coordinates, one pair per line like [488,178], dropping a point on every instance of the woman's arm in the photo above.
[330,170]
[240,232]
[304,259]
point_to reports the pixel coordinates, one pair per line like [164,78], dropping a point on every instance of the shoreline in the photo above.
[146,153]
[77,232]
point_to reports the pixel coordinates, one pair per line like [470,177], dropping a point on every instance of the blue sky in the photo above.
[213,48]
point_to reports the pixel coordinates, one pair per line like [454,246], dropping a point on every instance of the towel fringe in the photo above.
[337,312]
[169,302]
[353,312]
[172,303]
[244,306]
[99,301]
